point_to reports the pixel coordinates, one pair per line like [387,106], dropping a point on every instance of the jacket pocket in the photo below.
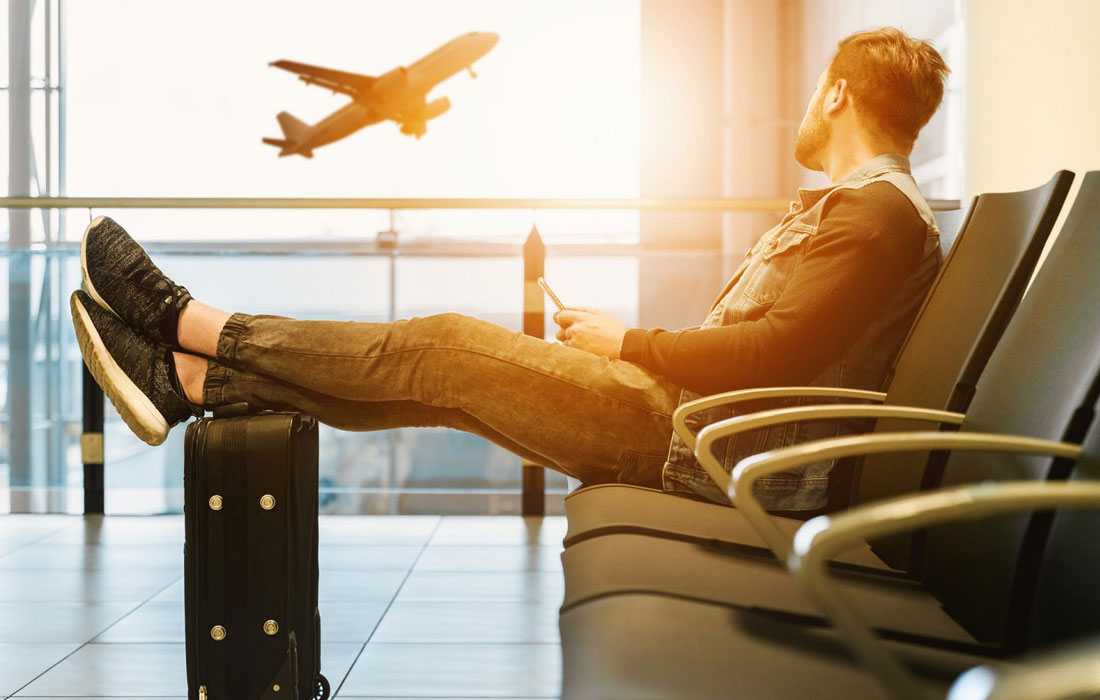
[778,259]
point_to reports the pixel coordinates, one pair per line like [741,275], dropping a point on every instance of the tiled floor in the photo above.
[411,606]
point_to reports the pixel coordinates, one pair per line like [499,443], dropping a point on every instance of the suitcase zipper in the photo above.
[195,487]
[290,532]
[200,572]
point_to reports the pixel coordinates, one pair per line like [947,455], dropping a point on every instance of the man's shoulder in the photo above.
[879,208]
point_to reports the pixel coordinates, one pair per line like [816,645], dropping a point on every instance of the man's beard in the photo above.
[813,135]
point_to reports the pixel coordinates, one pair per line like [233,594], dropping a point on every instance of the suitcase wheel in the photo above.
[322,689]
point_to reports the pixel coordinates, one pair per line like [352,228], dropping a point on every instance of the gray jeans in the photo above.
[595,419]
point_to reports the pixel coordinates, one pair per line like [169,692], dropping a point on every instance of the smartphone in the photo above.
[550,293]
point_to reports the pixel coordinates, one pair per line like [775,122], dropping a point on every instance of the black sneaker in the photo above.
[119,276]
[134,372]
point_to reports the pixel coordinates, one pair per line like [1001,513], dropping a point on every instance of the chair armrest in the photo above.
[824,536]
[712,433]
[680,415]
[1069,672]
[753,468]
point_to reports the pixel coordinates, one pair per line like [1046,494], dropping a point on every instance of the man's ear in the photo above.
[837,97]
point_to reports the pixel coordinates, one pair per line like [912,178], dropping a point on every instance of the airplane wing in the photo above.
[335,80]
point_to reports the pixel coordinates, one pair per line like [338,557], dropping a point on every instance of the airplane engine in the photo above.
[418,125]
[391,82]
[435,108]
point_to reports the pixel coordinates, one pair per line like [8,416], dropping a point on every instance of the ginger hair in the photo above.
[896,82]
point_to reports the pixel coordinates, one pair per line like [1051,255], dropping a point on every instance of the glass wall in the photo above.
[408,471]
[161,99]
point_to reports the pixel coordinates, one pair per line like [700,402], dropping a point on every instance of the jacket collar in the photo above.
[885,163]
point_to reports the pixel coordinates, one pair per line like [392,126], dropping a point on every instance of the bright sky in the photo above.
[171,99]
[167,99]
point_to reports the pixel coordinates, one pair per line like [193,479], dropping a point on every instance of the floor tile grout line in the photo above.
[465,644]
[43,537]
[84,644]
[423,548]
[134,610]
[77,519]
[397,591]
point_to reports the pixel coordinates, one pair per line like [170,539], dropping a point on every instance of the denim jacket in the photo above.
[764,273]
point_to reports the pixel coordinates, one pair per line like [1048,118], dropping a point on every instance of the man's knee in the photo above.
[457,330]
[458,347]
[451,320]
[441,323]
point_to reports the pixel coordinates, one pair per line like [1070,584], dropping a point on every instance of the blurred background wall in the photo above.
[724,87]
[1032,106]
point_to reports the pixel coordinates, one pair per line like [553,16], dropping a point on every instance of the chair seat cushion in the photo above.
[629,563]
[616,508]
[660,647]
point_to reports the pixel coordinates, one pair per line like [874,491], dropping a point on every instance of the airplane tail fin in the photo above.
[293,128]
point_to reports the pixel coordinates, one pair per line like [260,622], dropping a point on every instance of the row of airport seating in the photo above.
[965,560]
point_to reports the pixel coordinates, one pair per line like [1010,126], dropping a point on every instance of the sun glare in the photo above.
[170,102]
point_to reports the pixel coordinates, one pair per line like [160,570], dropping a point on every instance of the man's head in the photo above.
[881,87]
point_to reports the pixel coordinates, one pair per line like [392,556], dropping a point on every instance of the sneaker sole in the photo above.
[138,412]
[86,279]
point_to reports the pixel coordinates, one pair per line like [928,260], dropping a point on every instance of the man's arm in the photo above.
[869,241]
[597,332]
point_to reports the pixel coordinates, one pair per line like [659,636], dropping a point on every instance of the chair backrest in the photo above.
[1067,597]
[951,222]
[962,318]
[1041,381]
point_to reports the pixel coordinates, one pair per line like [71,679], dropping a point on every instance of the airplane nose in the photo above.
[491,39]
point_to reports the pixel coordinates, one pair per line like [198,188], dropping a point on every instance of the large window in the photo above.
[169,99]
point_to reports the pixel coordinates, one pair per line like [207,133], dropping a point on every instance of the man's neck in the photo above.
[841,161]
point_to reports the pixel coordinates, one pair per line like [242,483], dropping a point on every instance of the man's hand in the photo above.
[593,331]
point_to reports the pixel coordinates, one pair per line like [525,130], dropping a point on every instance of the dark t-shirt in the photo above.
[869,240]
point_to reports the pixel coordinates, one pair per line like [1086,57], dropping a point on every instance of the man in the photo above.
[825,297]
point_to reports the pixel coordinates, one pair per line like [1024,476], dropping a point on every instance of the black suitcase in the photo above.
[250,557]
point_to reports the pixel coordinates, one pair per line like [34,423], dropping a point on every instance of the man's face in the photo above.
[814,131]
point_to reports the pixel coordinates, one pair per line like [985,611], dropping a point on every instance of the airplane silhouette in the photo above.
[399,95]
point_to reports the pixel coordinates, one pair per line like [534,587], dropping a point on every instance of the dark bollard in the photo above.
[534,323]
[91,444]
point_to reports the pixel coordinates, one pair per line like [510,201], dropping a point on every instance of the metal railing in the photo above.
[532,250]
[398,203]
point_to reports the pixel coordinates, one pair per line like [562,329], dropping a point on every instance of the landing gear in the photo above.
[414,128]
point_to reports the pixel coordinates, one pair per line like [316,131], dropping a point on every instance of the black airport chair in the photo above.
[971,301]
[1036,396]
